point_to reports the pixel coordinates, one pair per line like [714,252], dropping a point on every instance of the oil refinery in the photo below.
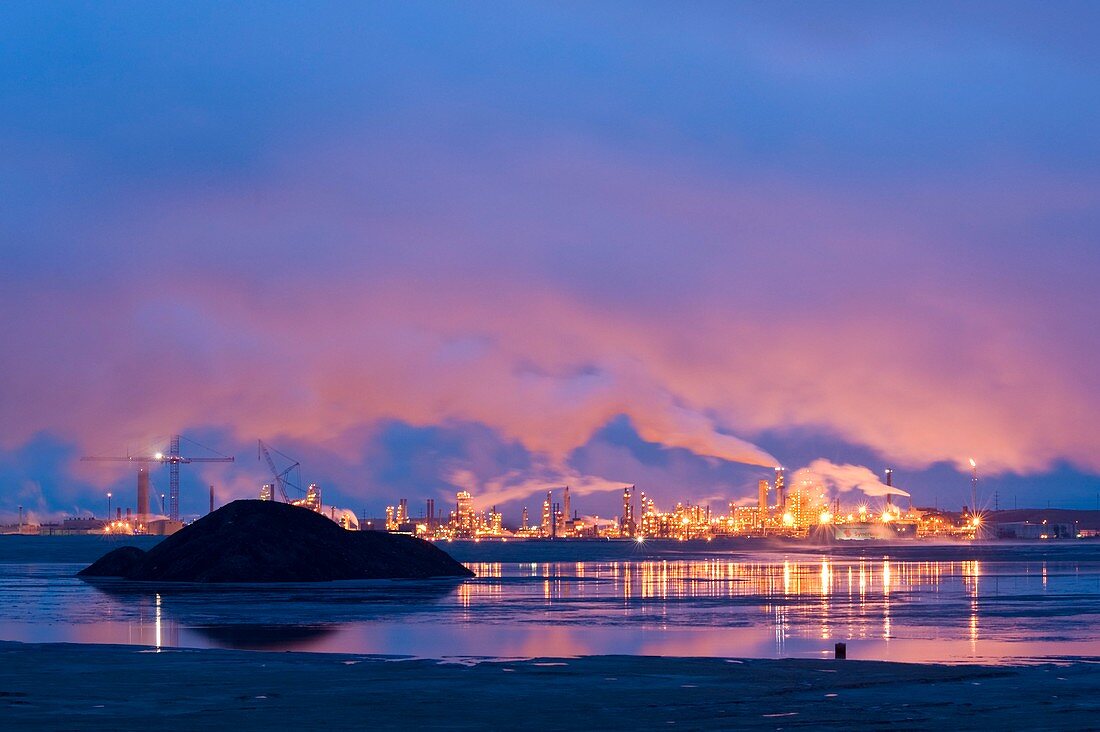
[802,509]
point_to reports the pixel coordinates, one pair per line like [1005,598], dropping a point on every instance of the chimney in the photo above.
[143,494]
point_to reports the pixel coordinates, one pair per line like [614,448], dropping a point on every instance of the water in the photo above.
[924,603]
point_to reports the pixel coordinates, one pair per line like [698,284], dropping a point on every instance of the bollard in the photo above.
[840,651]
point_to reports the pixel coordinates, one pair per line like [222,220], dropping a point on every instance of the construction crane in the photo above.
[173,459]
[292,476]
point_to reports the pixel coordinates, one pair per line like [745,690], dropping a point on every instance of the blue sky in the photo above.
[431,245]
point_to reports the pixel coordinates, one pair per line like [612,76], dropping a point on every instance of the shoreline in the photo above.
[93,687]
[87,549]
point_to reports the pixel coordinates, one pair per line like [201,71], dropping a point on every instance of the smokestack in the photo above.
[762,501]
[211,499]
[627,523]
[565,508]
[889,484]
[143,495]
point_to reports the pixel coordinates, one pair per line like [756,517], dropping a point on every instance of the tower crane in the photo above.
[173,459]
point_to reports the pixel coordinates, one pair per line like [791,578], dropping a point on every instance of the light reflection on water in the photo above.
[763,606]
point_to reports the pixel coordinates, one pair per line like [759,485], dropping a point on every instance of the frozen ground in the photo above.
[568,636]
[93,687]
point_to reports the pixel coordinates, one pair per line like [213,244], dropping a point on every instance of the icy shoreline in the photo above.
[90,687]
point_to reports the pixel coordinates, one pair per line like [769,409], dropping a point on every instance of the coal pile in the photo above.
[120,562]
[266,541]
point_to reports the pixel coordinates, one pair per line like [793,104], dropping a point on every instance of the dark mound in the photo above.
[119,562]
[265,541]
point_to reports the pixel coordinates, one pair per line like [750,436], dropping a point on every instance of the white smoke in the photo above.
[597,521]
[515,485]
[336,514]
[676,426]
[35,518]
[844,478]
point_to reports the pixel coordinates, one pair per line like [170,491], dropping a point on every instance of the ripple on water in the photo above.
[922,605]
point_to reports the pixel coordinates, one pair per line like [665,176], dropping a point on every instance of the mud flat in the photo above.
[90,687]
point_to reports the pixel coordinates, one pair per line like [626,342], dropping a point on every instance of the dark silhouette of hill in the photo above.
[121,562]
[266,541]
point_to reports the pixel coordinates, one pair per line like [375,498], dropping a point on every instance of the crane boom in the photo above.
[282,479]
[165,459]
[173,459]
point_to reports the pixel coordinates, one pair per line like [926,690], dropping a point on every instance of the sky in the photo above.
[424,247]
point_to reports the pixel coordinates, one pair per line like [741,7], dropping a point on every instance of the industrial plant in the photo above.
[803,511]
[800,508]
[159,514]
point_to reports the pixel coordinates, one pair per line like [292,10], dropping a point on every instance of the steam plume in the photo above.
[515,485]
[844,478]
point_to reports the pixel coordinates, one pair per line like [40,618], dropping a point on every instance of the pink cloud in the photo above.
[543,295]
